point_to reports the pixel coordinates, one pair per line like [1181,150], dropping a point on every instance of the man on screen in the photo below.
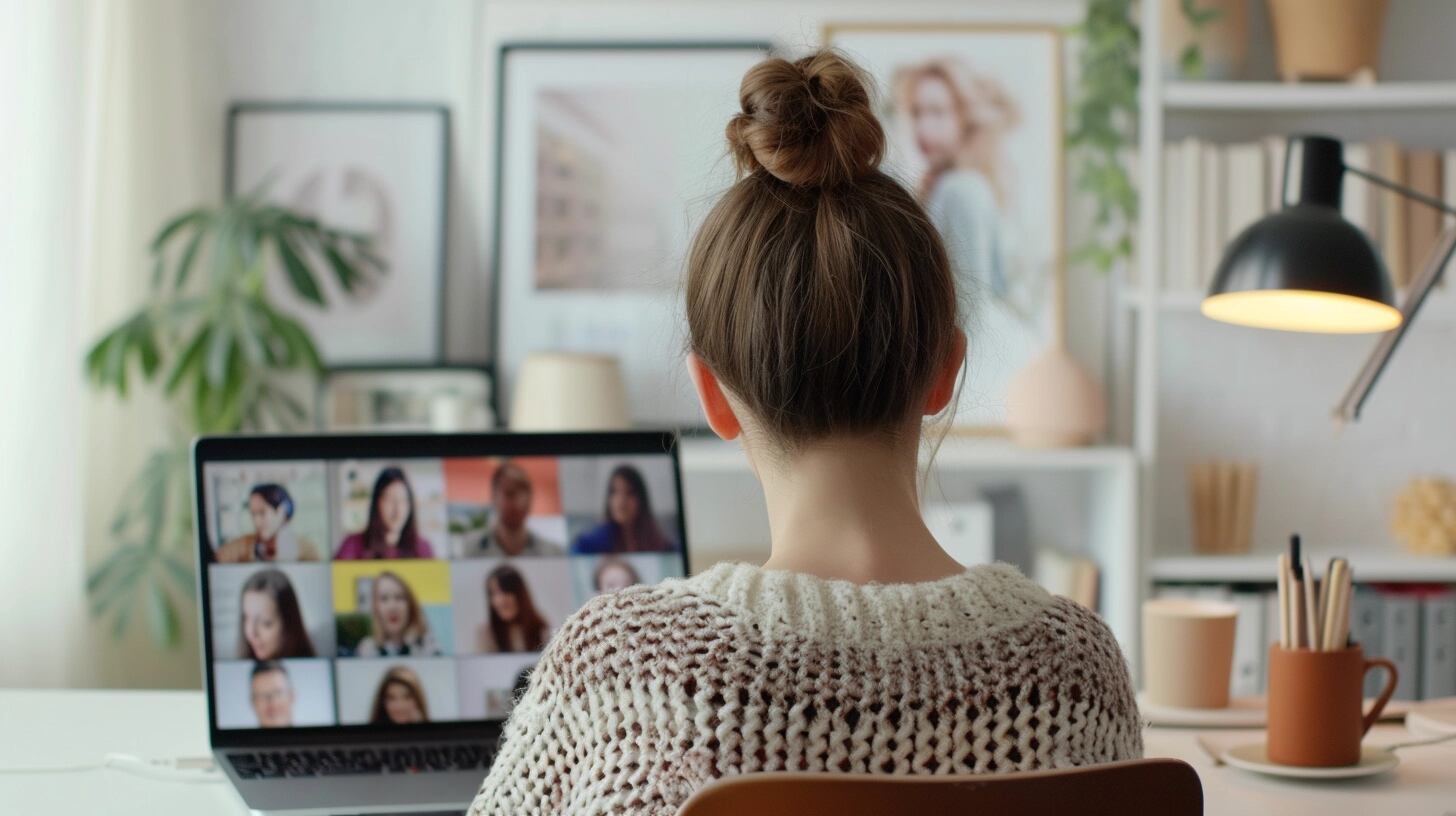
[272,695]
[511,493]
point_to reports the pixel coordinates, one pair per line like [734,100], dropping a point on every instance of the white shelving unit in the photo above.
[1180,106]
[1259,567]
[1281,97]
[1096,487]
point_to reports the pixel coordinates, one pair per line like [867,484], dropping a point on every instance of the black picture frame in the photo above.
[242,448]
[242,108]
[688,426]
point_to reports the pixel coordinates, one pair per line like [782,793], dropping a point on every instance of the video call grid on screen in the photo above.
[392,591]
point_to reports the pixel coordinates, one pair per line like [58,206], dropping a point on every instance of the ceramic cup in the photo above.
[1188,652]
[1314,705]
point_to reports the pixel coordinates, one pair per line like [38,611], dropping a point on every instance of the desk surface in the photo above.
[78,727]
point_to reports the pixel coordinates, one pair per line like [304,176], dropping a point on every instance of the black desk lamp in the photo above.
[1306,268]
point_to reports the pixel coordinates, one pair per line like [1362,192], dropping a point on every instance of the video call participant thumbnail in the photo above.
[628,524]
[391,531]
[271,623]
[272,695]
[513,623]
[273,538]
[398,625]
[400,699]
[511,494]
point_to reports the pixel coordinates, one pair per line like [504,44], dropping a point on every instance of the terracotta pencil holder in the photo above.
[1314,705]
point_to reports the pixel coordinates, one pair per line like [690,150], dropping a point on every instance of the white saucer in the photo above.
[1242,712]
[1253,757]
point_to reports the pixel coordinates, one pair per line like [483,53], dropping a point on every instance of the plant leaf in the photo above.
[162,620]
[189,362]
[218,348]
[171,227]
[181,575]
[189,256]
[299,276]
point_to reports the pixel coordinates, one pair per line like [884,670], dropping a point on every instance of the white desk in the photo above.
[77,727]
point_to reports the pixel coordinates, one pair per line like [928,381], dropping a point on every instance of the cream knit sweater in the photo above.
[646,695]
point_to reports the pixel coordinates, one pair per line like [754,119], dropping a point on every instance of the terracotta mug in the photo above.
[1314,705]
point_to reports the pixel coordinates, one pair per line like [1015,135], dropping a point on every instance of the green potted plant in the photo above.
[211,337]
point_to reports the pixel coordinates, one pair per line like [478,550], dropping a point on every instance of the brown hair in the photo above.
[398,676]
[415,629]
[988,123]
[818,291]
[275,584]
[532,626]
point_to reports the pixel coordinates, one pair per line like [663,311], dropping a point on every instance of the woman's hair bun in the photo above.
[808,123]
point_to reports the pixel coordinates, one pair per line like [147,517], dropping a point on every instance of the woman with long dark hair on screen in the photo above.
[628,524]
[512,623]
[823,330]
[270,623]
[397,624]
[391,531]
[273,537]
[400,699]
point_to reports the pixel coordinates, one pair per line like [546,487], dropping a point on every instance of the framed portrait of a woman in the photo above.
[973,117]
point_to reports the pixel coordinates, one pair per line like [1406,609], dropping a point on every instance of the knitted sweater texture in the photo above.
[648,694]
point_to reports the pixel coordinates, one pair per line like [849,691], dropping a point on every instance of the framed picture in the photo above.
[375,168]
[973,115]
[443,399]
[607,158]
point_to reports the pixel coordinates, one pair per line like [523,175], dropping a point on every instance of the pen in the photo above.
[1311,606]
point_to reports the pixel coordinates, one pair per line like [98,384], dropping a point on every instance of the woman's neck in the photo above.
[849,509]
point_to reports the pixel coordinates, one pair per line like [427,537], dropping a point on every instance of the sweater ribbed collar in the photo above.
[957,609]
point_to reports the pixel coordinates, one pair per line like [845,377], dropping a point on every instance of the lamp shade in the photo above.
[560,391]
[1305,268]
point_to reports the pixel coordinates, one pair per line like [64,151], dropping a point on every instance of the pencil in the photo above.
[1283,580]
[1310,602]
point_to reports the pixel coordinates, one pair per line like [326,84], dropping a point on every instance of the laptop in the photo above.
[373,605]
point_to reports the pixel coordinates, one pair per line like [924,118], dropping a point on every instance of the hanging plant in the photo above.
[1103,127]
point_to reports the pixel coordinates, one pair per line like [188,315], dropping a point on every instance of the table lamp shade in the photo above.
[1305,268]
[560,391]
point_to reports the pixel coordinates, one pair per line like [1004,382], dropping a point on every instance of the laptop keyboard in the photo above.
[406,759]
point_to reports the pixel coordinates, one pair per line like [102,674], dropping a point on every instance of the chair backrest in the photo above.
[1164,786]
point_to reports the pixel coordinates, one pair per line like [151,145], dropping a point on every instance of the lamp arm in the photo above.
[1349,408]
[1414,195]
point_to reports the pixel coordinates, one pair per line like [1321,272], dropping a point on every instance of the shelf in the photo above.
[709,456]
[1259,568]
[1278,96]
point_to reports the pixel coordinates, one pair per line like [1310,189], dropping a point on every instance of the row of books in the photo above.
[1211,192]
[1414,626]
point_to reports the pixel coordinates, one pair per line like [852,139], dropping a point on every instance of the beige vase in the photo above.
[1053,403]
[1223,42]
[1328,39]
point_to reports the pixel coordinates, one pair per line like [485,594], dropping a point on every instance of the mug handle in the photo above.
[1390,679]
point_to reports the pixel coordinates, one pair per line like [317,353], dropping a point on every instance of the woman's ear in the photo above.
[715,403]
[942,388]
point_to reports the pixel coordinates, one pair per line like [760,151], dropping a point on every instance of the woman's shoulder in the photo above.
[596,540]
[969,188]
[351,547]
[237,549]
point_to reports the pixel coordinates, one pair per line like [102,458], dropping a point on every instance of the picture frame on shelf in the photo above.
[399,399]
[974,119]
[379,168]
[607,157]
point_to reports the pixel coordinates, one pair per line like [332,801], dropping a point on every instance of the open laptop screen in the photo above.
[393,590]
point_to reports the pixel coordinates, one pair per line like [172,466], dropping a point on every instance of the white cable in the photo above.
[176,769]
